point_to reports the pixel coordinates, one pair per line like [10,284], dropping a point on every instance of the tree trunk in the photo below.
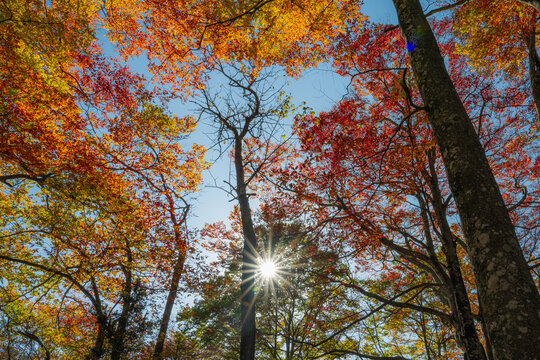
[506,290]
[249,261]
[489,347]
[98,350]
[173,292]
[466,335]
[117,341]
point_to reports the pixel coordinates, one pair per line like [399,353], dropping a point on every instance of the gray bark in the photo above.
[466,335]
[507,293]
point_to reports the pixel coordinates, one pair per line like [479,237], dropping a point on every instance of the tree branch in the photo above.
[444,8]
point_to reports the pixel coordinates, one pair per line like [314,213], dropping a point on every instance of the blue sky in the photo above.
[319,88]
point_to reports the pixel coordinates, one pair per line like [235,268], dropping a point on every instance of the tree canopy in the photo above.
[400,223]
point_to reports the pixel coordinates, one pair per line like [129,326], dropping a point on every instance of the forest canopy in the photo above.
[401,222]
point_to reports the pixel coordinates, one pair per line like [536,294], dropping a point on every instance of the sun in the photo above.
[268,269]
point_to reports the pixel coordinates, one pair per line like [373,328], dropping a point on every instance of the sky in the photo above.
[319,88]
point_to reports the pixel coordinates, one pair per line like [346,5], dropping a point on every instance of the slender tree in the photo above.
[244,117]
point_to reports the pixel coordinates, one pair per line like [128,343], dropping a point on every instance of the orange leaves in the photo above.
[493,35]
[177,35]
[93,173]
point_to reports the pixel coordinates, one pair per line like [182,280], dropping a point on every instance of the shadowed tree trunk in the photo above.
[508,296]
[178,269]
[119,335]
[247,335]
[102,321]
[171,298]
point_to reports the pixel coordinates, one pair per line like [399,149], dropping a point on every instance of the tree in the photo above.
[62,249]
[213,35]
[244,119]
[93,178]
[506,290]
[511,23]
[296,309]
[364,201]
[495,253]
[389,190]
[104,252]
[90,165]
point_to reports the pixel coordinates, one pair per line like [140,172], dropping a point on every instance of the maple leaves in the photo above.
[505,33]
[493,31]
[94,177]
[201,34]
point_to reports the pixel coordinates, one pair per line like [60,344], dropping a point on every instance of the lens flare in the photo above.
[268,269]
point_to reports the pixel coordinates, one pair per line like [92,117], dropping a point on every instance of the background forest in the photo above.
[400,223]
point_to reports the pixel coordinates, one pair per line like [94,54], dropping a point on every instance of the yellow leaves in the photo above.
[492,35]
[113,166]
[263,33]
[186,123]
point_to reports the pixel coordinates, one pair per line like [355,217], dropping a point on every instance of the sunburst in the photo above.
[268,269]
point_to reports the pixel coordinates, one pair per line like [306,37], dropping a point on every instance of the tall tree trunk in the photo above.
[98,350]
[119,335]
[171,298]
[249,261]
[489,347]
[506,290]
[466,334]
[424,335]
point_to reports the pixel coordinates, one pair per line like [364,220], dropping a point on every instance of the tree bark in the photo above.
[489,347]
[98,349]
[102,322]
[171,298]
[119,335]
[506,290]
[249,261]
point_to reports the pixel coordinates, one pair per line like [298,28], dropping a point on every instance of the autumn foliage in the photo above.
[380,251]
